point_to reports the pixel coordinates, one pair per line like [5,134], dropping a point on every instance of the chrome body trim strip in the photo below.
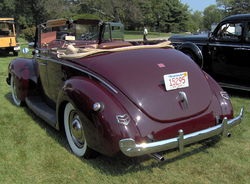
[215,44]
[234,86]
[130,148]
[182,42]
[225,45]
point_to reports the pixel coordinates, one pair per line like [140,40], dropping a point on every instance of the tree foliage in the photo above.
[232,7]
[157,15]
[212,15]
[162,15]
[196,22]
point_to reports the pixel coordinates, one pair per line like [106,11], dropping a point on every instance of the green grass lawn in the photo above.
[33,152]
[139,35]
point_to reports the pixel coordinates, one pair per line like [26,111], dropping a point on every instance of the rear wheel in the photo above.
[74,130]
[15,97]
[193,57]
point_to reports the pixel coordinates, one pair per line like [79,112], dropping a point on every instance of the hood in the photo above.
[191,38]
[138,74]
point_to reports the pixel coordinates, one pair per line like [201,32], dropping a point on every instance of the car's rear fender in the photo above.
[222,96]
[24,72]
[103,132]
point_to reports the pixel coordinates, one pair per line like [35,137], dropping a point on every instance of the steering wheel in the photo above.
[87,36]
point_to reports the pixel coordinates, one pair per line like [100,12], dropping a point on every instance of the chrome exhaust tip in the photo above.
[157,157]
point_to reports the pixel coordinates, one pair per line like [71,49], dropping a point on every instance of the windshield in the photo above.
[71,33]
[6,29]
[81,33]
[113,32]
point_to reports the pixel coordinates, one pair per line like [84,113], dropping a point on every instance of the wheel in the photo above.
[74,131]
[193,57]
[15,98]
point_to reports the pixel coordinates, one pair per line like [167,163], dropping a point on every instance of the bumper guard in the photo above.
[131,149]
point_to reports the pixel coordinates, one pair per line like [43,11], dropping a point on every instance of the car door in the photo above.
[50,75]
[226,50]
[56,76]
[244,64]
[41,56]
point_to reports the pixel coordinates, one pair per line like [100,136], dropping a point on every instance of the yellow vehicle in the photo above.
[8,42]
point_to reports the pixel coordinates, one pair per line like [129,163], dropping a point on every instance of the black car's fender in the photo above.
[193,51]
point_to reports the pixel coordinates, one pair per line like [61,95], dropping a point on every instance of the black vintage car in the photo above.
[223,53]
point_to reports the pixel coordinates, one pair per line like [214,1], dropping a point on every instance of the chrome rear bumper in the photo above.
[130,148]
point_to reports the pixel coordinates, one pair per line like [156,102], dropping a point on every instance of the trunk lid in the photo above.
[139,75]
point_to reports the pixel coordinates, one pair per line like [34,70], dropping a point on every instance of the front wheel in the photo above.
[15,97]
[74,130]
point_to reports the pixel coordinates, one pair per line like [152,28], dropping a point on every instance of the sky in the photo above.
[198,4]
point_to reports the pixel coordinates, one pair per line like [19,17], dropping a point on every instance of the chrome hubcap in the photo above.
[76,130]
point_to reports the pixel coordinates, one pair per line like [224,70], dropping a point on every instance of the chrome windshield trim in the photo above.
[130,148]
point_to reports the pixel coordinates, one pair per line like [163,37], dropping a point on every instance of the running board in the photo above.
[234,86]
[41,109]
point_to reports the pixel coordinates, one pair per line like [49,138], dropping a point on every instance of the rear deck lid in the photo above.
[139,74]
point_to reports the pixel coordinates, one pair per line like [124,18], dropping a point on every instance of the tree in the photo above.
[28,13]
[165,15]
[232,7]
[162,15]
[195,23]
[224,4]
[212,15]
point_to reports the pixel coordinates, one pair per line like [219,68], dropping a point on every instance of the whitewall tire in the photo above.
[13,87]
[74,131]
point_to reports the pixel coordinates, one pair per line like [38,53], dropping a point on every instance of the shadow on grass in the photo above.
[238,93]
[120,164]
[5,55]
[57,135]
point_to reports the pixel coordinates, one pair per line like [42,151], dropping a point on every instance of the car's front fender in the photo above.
[193,51]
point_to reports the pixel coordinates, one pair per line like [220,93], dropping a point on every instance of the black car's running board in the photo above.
[234,86]
[37,105]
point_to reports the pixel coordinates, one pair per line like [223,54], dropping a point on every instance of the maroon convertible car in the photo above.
[112,96]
